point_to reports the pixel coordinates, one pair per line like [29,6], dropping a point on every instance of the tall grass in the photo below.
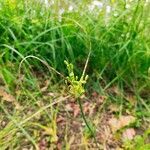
[118,39]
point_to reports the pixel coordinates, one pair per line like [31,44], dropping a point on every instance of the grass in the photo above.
[36,39]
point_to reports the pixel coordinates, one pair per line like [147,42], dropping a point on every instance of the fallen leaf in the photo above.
[59,146]
[60,119]
[123,121]
[128,134]
[114,124]
[69,107]
[126,120]
[43,144]
[6,96]
[86,107]
[74,108]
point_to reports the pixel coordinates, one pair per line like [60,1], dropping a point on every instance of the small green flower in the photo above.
[76,86]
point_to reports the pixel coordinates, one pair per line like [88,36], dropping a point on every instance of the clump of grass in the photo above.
[119,46]
[31,32]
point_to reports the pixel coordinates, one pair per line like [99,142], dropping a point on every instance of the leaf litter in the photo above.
[5,96]
[68,118]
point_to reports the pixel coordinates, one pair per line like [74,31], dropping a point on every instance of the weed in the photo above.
[139,142]
[77,90]
[76,85]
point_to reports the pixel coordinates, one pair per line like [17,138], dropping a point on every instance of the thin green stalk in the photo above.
[86,122]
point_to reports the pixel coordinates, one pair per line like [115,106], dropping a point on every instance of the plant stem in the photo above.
[84,118]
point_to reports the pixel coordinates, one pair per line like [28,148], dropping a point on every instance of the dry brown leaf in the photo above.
[59,146]
[128,134]
[42,144]
[60,119]
[86,107]
[6,96]
[123,121]
[9,98]
[126,120]
[68,107]
[74,108]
